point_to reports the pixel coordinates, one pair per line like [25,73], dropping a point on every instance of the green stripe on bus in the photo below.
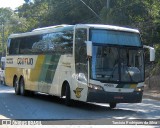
[48,68]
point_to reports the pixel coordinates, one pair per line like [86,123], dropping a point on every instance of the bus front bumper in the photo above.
[101,96]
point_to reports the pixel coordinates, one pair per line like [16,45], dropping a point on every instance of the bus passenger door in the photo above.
[81,66]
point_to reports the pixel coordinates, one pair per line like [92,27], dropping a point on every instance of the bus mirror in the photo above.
[81,77]
[152,54]
[151,51]
[89,48]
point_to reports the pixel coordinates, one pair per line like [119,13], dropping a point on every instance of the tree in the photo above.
[143,15]
[34,13]
[11,24]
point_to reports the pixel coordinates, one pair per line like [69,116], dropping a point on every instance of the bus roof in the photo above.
[108,27]
[43,30]
[57,28]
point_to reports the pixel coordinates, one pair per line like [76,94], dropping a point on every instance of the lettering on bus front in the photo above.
[25,61]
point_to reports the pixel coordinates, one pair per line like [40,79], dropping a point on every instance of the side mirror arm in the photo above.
[89,48]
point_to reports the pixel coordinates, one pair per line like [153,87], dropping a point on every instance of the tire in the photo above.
[67,95]
[22,87]
[3,82]
[16,86]
[112,105]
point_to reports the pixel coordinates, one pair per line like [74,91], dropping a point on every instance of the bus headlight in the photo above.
[139,89]
[96,87]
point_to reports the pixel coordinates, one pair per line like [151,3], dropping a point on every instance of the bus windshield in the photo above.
[117,63]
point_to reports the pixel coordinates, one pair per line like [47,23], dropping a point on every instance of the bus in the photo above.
[85,62]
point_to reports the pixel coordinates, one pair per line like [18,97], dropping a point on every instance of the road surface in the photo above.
[46,107]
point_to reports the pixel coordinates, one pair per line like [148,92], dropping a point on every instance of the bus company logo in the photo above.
[25,61]
[78,92]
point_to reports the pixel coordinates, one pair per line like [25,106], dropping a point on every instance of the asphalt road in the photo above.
[47,107]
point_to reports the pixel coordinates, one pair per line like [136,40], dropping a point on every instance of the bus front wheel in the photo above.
[67,95]
[16,86]
[112,105]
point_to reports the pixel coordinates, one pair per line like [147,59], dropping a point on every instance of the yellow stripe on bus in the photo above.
[133,85]
[35,73]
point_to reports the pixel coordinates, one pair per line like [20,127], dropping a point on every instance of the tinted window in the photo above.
[26,45]
[59,42]
[14,46]
[81,52]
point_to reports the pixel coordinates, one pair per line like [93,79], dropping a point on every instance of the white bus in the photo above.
[84,62]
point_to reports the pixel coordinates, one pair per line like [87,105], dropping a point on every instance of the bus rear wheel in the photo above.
[22,87]
[112,105]
[16,86]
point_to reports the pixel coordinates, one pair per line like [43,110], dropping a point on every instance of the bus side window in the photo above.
[14,46]
[80,51]
[67,42]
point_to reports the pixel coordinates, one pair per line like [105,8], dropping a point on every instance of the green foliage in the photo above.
[34,14]
[10,22]
[5,14]
[157,48]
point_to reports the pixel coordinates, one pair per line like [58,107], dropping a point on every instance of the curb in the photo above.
[151,97]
